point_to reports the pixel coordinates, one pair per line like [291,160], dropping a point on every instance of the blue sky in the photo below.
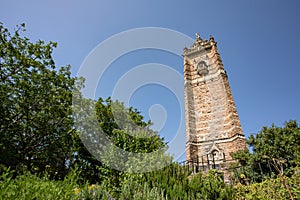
[258,42]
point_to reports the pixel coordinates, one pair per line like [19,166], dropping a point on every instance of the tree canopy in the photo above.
[272,146]
[35,112]
[37,115]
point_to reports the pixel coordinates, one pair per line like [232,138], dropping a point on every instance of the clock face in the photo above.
[202,68]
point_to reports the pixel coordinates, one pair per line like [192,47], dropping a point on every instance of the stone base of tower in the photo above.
[215,151]
[223,168]
[207,155]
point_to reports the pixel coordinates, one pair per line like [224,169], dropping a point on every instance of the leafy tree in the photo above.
[270,188]
[123,127]
[277,142]
[272,146]
[35,110]
[126,128]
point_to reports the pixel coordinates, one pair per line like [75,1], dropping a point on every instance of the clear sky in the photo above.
[258,42]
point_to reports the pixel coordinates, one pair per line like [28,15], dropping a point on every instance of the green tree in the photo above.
[272,146]
[123,127]
[127,130]
[277,142]
[35,111]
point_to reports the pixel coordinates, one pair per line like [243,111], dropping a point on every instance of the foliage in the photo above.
[272,147]
[126,129]
[134,188]
[277,142]
[35,110]
[28,186]
[44,119]
[177,182]
[37,116]
[209,186]
[103,121]
[272,188]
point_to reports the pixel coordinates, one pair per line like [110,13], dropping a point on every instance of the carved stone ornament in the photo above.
[202,68]
[215,153]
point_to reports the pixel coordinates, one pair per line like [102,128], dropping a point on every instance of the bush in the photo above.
[28,186]
[272,188]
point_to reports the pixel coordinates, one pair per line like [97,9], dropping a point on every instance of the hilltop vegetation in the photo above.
[42,155]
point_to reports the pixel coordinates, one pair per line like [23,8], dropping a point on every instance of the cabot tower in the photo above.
[213,128]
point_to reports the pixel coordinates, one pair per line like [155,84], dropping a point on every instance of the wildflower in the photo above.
[92,187]
[76,191]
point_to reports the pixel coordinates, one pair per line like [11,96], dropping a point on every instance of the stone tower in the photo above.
[213,128]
